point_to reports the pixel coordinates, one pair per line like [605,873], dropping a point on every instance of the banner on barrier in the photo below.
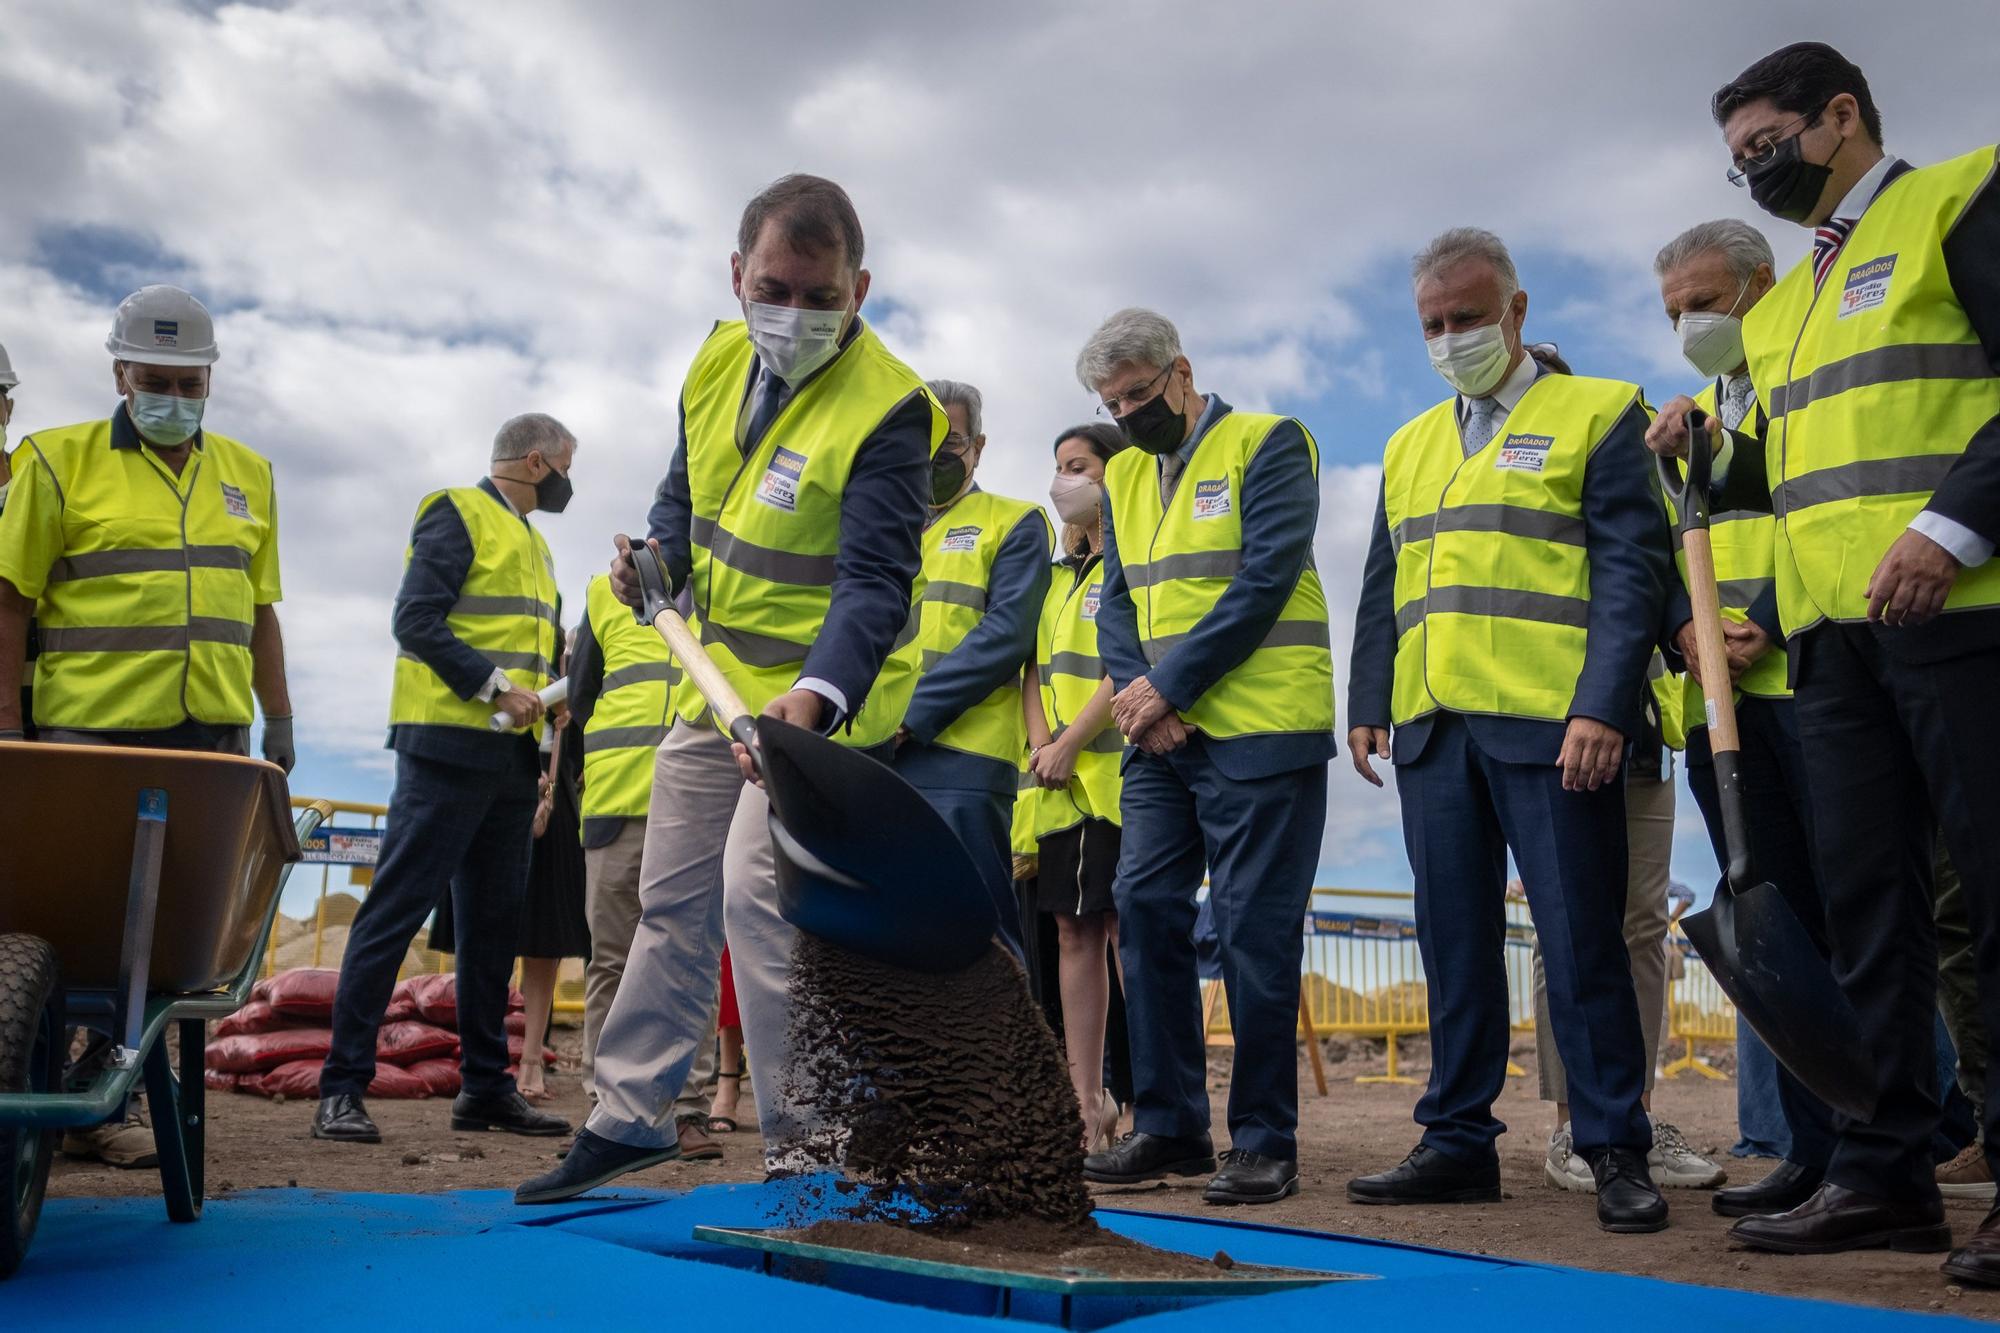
[342,846]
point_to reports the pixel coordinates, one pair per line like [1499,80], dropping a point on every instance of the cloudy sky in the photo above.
[415,220]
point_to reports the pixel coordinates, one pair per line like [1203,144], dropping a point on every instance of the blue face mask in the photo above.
[165,420]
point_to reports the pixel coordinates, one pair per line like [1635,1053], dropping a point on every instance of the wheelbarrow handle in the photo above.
[658,610]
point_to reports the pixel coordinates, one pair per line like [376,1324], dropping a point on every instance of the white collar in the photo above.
[1516,385]
[1864,191]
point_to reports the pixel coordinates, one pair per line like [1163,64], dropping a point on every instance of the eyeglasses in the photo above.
[1765,150]
[953,440]
[1130,398]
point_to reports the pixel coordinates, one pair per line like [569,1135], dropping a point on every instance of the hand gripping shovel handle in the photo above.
[658,610]
[1718,691]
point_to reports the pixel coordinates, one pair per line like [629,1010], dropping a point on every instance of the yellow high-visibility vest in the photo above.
[506,612]
[633,710]
[960,546]
[1492,580]
[767,523]
[1178,560]
[1874,383]
[147,614]
[1066,660]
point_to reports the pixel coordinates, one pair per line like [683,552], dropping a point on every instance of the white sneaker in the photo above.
[1562,1168]
[1677,1166]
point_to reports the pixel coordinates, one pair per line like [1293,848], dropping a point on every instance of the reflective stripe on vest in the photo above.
[959,547]
[505,612]
[1492,580]
[1179,559]
[632,712]
[1070,672]
[146,618]
[1875,381]
[766,524]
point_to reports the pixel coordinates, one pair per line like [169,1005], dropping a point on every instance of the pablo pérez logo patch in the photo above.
[959,539]
[235,501]
[1524,453]
[1867,285]
[780,485]
[1211,498]
[1093,596]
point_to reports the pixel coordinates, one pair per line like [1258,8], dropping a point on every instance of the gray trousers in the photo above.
[611,905]
[707,862]
[1649,835]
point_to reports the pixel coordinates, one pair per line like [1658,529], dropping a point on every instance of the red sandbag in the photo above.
[299,1080]
[517,1024]
[436,998]
[255,1052]
[516,1044]
[303,992]
[256,1016]
[441,1077]
[408,1042]
[402,1007]
[219,1081]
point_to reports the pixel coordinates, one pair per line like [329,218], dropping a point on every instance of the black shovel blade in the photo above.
[1765,962]
[863,860]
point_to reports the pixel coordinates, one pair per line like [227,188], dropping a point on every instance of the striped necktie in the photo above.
[1827,241]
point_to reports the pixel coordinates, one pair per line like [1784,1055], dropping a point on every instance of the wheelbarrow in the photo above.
[137,891]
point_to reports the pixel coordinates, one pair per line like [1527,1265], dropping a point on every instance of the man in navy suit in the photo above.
[1510,604]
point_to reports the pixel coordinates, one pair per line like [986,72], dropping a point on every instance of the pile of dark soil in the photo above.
[1026,1247]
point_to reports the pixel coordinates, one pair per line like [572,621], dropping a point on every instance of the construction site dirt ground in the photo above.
[1354,1129]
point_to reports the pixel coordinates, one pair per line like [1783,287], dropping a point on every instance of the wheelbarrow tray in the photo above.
[66,858]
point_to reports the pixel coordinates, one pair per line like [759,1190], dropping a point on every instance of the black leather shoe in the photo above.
[1788,1186]
[1834,1220]
[592,1160]
[509,1112]
[1140,1157]
[343,1119]
[1428,1176]
[1978,1260]
[1628,1202]
[1248,1177]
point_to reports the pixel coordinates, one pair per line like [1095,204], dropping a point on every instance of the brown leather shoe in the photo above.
[1834,1220]
[1978,1260]
[696,1146]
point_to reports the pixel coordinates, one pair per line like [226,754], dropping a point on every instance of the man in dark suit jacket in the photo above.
[1509,608]
[461,817]
[1883,469]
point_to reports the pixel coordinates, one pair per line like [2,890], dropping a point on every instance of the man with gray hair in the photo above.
[1509,609]
[477,633]
[1710,277]
[1213,630]
[986,574]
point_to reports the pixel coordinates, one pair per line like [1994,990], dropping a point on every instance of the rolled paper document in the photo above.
[553,693]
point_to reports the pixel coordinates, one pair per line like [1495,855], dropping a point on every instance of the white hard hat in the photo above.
[162,326]
[8,379]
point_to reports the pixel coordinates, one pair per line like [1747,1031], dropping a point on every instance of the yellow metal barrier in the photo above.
[1697,1010]
[335,910]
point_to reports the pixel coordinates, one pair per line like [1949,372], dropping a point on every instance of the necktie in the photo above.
[1737,395]
[765,399]
[1481,420]
[1827,241]
[1170,475]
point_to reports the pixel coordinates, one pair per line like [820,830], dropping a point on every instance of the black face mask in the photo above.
[1788,187]
[948,472]
[1153,427]
[552,492]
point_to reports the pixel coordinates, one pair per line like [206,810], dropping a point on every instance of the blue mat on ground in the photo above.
[307,1259]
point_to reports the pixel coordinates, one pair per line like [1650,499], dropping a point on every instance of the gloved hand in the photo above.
[278,746]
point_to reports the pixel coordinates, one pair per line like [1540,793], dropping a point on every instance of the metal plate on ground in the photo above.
[1246,1280]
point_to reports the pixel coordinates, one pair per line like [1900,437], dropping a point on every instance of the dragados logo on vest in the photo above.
[1211,498]
[1092,597]
[780,485]
[1867,285]
[960,539]
[1524,453]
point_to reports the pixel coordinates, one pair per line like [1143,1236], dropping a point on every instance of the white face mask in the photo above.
[1075,496]
[1473,362]
[1712,343]
[791,342]
[164,419]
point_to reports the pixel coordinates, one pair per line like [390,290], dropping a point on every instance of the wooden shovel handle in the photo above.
[1718,690]
[694,659]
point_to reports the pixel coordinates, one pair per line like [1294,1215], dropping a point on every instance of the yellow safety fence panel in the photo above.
[1697,1010]
[319,937]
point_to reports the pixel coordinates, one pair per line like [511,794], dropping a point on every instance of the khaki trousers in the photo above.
[1649,833]
[707,861]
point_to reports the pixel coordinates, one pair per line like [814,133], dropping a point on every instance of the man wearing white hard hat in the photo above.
[147,548]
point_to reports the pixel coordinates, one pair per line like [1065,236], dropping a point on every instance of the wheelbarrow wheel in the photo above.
[31,1060]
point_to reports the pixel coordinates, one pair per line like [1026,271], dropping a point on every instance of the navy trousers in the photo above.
[469,830]
[1777,813]
[982,820]
[1463,811]
[1259,841]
